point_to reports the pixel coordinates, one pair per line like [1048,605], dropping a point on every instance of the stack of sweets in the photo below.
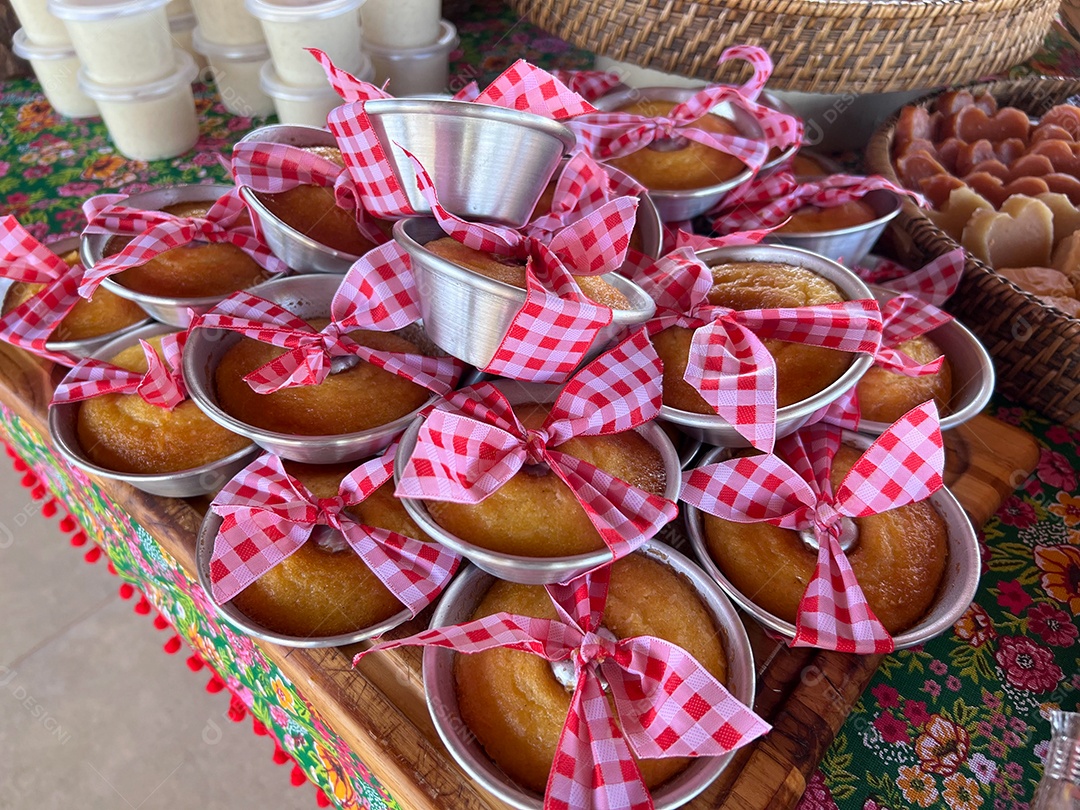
[232,41]
[409,44]
[44,41]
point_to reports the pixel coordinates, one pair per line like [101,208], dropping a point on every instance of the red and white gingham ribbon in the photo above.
[156,232]
[793,490]
[728,363]
[666,702]
[681,235]
[162,384]
[589,84]
[472,444]
[267,515]
[935,283]
[582,188]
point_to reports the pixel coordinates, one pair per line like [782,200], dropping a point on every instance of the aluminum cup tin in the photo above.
[302,253]
[679,205]
[171,311]
[955,594]
[714,429]
[487,163]
[307,297]
[182,484]
[458,604]
[204,549]
[514,567]
[467,314]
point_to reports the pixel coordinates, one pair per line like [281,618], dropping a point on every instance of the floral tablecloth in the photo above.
[959,723]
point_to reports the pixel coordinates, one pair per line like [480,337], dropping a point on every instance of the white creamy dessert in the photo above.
[415,71]
[308,106]
[290,26]
[227,22]
[41,27]
[56,68]
[235,70]
[401,23]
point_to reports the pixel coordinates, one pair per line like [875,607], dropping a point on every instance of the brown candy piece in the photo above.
[972,124]
[1066,215]
[993,167]
[913,124]
[953,101]
[1064,156]
[1009,149]
[969,155]
[1019,235]
[1039,280]
[1050,132]
[1063,184]
[1030,165]
[938,188]
[918,166]
[1065,116]
[957,209]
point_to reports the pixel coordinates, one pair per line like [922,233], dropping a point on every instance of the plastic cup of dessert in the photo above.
[204,550]
[180,484]
[290,26]
[149,121]
[401,23]
[516,567]
[235,70]
[173,311]
[683,204]
[307,297]
[227,22]
[57,69]
[182,29]
[178,8]
[847,245]
[467,314]
[457,606]
[487,162]
[119,42]
[306,105]
[42,28]
[955,594]
[414,70]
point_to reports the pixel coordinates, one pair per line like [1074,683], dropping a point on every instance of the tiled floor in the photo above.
[93,714]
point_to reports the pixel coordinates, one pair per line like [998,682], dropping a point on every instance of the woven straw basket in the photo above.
[1036,348]
[822,46]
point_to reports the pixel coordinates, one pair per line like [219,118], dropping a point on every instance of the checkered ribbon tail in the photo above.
[906,317]
[267,515]
[681,235]
[792,489]
[589,84]
[155,232]
[781,130]
[472,444]
[935,283]
[665,704]
[162,385]
[583,186]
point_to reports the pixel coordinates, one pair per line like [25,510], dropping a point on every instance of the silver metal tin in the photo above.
[307,297]
[679,205]
[846,245]
[302,253]
[972,371]
[467,314]
[957,590]
[714,429]
[171,311]
[650,226]
[457,606]
[488,163]
[204,549]
[514,567]
[182,484]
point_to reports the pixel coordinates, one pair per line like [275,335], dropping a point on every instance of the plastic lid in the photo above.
[446,42]
[25,49]
[182,22]
[93,10]
[297,10]
[186,72]
[256,52]
[272,84]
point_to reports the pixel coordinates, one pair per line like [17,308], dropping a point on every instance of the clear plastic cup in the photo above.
[120,42]
[227,22]
[290,26]
[306,105]
[41,27]
[235,69]
[415,71]
[56,68]
[182,29]
[178,8]
[401,23]
[153,120]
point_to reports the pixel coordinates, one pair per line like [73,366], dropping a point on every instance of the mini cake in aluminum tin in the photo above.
[307,297]
[172,311]
[958,586]
[714,429]
[519,568]
[182,484]
[457,606]
[467,315]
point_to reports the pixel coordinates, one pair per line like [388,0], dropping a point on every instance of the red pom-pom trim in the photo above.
[297,777]
[321,798]
[68,524]
[214,685]
[258,727]
[142,607]
[127,590]
[172,646]
[237,709]
[93,555]
[280,757]
[160,622]
[78,539]
[50,508]
[194,663]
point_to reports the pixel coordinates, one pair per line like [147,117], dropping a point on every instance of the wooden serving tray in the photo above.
[379,708]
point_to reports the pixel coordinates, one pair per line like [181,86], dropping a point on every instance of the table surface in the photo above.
[959,722]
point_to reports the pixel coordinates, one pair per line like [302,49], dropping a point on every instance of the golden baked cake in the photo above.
[360,398]
[324,588]
[514,705]
[125,433]
[805,165]
[811,219]
[885,396]
[535,514]
[801,371]
[899,559]
[196,270]
[693,166]
[512,272]
[105,314]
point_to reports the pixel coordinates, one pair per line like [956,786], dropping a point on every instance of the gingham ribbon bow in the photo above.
[935,283]
[589,84]
[267,515]
[666,702]
[156,232]
[162,384]
[582,188]
[472,444]
[904,465]
[728,364]
[311,352]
